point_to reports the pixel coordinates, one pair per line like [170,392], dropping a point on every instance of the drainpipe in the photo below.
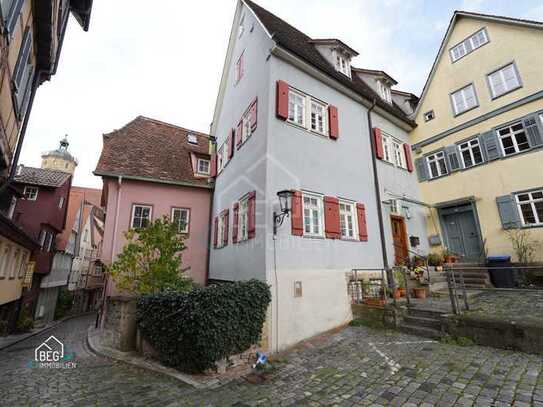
[212,148]
[378,197]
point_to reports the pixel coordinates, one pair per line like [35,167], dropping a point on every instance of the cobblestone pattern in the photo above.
[358,366]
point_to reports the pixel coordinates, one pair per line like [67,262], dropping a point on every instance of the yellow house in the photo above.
[478,144]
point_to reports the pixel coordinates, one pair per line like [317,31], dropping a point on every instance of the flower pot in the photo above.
[401,291]
[374,301]
[397,294]
[419,293]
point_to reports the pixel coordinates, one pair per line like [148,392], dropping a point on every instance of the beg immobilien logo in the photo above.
[50,354]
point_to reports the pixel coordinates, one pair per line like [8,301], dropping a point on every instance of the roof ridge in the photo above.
[195,132]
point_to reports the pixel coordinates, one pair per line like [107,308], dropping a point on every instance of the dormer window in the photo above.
[342,65]
[337,53]
[384,91]
[192,139]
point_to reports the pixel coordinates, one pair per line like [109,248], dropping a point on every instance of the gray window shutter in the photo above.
[12,16]
[422,170]
[453,158]
[491,145]
[507,207]
[535,137]
[22,60]
[21,110]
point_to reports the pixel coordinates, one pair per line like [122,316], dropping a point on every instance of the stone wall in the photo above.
[120,323]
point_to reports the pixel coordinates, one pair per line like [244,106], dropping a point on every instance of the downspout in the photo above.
[378,197]
[18,148]
[212,148]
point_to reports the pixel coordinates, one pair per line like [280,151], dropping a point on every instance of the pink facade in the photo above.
[121,194]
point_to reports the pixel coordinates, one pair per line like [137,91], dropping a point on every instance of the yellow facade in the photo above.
[508,42]
[13,263]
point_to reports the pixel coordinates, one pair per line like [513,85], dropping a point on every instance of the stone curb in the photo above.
[131,358]
[44,329]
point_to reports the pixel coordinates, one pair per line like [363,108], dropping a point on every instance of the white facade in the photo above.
[308,275]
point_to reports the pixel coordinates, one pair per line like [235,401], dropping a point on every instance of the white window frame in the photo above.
[61,202]
[23,265]
[463,45]
[31,193]
[342,64]
[243,219]
[319,207]
[143,206]
[221,229]
[186,228]
[500,72]
[306,111]
[12,206]
[387,148]
[513,134]
[14,263]
[436,158]
[220,159]
[429,115]
[199,169]
[531,201]
[5,250]
[246,130]
[239,68]
[49,237]
[462,93]
[344,218]
[296,107]
[192,139]
[467,147]
[395,207]
[384,91]
[323,118]
[399,154]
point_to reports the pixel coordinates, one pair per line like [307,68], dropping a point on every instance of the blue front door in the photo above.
[461,231]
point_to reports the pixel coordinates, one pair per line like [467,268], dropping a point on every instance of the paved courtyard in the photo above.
[358,366]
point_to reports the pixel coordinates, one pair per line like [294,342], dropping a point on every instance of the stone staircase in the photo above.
[422,322]
[473,278]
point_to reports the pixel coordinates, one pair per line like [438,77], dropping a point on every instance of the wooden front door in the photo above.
[399,236]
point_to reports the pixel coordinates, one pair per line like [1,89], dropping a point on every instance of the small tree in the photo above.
[151,260]
[524,245]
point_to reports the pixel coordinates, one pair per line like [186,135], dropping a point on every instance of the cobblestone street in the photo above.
[358,366]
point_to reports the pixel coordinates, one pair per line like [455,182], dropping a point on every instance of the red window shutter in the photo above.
[282,100]
[213,171]
[408,159]
[333,124]
[297,216]
[225,217]
[253,114]
[332,226]
[216,232]
[238,134]
[251,215]
[362,226]
[379,153]
[235,223]
[231,143]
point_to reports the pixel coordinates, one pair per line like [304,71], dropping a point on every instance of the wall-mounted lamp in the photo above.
[285,203]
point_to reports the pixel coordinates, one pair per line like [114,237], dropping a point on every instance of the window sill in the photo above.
[305,129]
[539,225]
[465,111]
[313,237]
[505,93]
[349,239]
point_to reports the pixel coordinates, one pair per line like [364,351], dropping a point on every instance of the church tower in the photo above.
[59,159]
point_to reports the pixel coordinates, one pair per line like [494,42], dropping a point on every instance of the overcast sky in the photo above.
[165,61]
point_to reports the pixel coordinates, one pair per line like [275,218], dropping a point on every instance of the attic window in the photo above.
[429,116]
[384,91]
[192,139]
[343,65]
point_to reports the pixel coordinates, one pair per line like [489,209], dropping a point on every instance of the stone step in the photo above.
[445,293]
[420,331]
[422,321]
[424,313]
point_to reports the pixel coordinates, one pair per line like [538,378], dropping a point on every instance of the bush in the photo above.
[191,331]
[25,323]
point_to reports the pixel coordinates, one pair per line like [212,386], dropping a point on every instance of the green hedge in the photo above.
[191,331]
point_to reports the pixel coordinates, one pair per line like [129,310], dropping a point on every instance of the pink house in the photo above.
[150,169]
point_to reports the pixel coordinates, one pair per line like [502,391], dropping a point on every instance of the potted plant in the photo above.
[399,279]
[436,260]
[448,256]
[419,292]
